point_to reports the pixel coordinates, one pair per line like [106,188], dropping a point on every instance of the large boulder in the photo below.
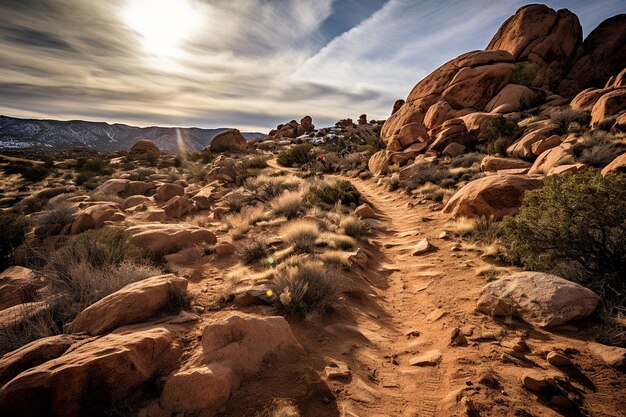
[95,216]
[89,377]
[495,163]
[163,239]
[135,303]
[493,195]
[601,55]
[230,140]
[17,285]
[178,206]
[378,163]
[551,159]
[540,299]
[513,95]
[144,149]
[168,191]
[541,36]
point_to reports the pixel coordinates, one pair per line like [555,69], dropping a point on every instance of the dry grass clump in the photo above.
[430,191]
[335,259]
[598,148]
[484,229]
[352,227]
[301,234]
[490,273]
[243,221]
[308,287]
[279,407]
[337,241]
[267,188]
[610,329]
[31,327]
[60,212]
[564,116]
[288,204]
[253,251]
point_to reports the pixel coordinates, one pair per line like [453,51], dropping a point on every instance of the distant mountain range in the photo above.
[31,133]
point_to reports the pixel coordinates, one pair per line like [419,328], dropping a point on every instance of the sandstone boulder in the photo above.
[365,211]
[495,163]
[551,159]
[494,195]
[540,299]
[243,342]
[166,192]
[544,37]
[177,207]
[89,377]
[609,105]
[17,285]
[135,303]
[143,149]
[95,216]
[167,238]
[513,95]
[379,163]
[230,140]
[617,165]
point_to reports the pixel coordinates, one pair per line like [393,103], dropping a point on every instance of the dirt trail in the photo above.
[410,306]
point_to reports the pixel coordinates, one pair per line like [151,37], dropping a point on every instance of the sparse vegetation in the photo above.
[342,191]
[306,287]
[576,219]
[13,228]
[295,156]
[563,116]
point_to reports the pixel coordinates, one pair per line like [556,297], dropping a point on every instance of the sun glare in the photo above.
[164,25]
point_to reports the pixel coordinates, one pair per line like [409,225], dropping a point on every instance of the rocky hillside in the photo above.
[29,133]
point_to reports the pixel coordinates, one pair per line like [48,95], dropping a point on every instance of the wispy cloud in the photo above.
[250,63]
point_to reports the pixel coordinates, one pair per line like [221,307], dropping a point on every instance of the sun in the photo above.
[164,25]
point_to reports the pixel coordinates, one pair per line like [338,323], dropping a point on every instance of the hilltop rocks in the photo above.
[90,376]
[541,36]
[230,140]
[144,149]
[293,129]
[17,285]
[135,303]
[540,299]
[168,238]
[397,105]
[494,195]
[601,55]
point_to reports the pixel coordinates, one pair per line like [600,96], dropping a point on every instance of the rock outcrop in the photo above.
[494,195]
[135,303]
[540,299]
[230,140]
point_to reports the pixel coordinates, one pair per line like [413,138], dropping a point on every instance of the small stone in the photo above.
[444,235]
[558,360]
[488,379]
[423,247]
[430,358]
[457,338]
[338,371]
[535,382]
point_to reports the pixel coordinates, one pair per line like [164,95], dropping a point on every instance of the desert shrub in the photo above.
[373,144]
[341,191]
[466,160]
[255,162]
[352,227]
[576,219]
[13,228]
[337,241]
[242,221]
[61,212]
[308,287]
[334,259]
[30,328]
[289,204]
[523,74]
[35,173]
[295,156]
[484,229]
[606,124]
[94,165]
[598,148]
[424,173]
[253,251]
[267,188]
[498,127]
[563,116]
[498,146]
[301,235]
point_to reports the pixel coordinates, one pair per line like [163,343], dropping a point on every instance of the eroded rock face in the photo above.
[230,140]
[135,303]
[540,299]
[494,195]
[167,238]
[601,55]
[547,38]
[89,377]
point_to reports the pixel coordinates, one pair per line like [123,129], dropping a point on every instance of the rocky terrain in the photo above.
[29,134]
[464,257]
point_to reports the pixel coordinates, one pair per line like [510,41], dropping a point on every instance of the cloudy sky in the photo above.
[239,63]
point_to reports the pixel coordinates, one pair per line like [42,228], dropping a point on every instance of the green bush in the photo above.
[524,75]
[576,222]
[13,228]
[341,191]
[497,134]
[296,156]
